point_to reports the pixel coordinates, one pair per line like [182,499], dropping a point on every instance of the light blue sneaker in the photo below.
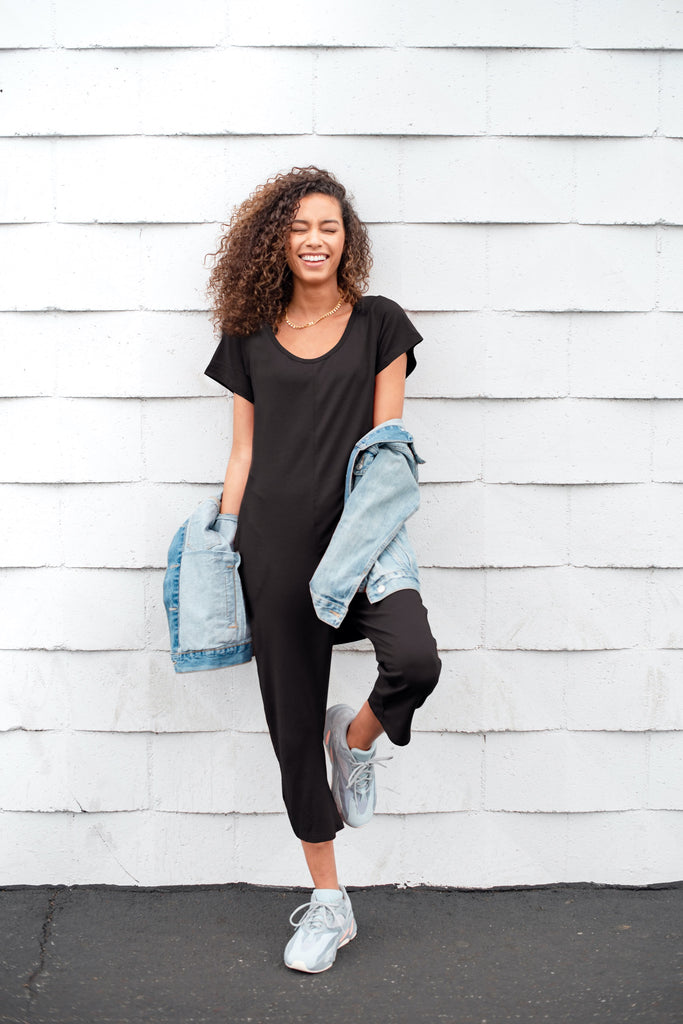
[325,927]
[353,771]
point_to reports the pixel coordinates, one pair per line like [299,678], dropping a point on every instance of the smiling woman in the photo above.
[316,369]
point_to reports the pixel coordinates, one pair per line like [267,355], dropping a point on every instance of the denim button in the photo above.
[381,588]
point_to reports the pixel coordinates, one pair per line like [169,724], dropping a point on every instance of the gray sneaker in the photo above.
[323,929]
[353,771]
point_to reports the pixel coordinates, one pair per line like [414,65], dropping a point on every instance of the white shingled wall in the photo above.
[521,167]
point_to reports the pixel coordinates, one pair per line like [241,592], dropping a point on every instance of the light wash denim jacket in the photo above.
[203,593]
[369,551]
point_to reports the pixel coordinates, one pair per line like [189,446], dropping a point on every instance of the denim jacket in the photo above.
[203,594]
[369,549]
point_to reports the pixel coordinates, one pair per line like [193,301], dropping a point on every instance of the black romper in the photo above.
[308,415]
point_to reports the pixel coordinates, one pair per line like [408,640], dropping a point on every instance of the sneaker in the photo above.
[323,929]
[353,771]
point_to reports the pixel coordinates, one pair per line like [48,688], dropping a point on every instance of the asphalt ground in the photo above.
[110,955]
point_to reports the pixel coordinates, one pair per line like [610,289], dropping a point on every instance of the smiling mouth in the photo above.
[317,258]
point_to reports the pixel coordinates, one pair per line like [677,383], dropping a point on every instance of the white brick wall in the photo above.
[520,169]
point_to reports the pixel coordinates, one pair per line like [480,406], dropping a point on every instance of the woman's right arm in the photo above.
[240,455]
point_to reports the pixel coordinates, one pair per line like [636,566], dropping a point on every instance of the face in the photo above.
[316,237]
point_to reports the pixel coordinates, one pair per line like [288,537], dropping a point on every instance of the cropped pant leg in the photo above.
[408,665]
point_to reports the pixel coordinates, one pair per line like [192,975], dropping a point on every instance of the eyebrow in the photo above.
[328,220]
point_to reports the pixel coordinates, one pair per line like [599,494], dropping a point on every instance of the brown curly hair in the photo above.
[250,282]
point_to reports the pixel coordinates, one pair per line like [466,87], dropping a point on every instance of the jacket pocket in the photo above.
[209,614]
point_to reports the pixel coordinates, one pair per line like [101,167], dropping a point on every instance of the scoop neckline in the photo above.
[314,359]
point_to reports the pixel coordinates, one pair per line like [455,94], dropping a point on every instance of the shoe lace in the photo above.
[360,777]
[317,916]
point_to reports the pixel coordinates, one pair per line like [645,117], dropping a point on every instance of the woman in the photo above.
[313,366]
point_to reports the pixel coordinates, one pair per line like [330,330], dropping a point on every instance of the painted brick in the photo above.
[30,513]
[487,179]
[138,691]
[139,180]
[35,848]
[174,272]
[56,772]
[665,782]
[137,354]
[493,691]
[575,92]
[27,24]
[402,272]
[124,526]
[39,777]
[529,23]
[562,266]
[434,423]
[630,25]
[187,440]
[433,773]
[103,268]
[29,356]
[625,690]
[26,193]
[667,442]
[151,848]
[108,772]
[193,772]
[638,525]
[271,24]
[626,355]
[154,23]
[174,180]
[71,608]
[267,852]
[666,601]
[24,673]
[671,117]
[473,524]
[632,848]
[559,771]
[500,355]
[566,608]
[670,249]
[157,92]
[70,439]
[549,441]
[364,854]
[484,849]
[400,92]
[354,161]
[627,181]
[455,601]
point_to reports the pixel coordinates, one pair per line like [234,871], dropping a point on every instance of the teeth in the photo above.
[313,259]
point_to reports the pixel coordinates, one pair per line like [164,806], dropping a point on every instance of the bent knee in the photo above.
[420,671]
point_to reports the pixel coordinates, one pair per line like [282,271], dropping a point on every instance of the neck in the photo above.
[309,301]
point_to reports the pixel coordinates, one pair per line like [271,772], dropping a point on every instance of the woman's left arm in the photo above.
[390,385]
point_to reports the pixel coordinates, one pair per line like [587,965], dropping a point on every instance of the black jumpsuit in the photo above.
[308,415]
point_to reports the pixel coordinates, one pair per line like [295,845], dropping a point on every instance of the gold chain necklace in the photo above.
[312,323]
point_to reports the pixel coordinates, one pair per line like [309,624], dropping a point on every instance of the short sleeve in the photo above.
[229,366]
[396,336]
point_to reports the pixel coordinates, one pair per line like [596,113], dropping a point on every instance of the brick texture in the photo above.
[519,168]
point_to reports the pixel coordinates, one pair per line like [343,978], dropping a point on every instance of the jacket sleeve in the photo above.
[385,496]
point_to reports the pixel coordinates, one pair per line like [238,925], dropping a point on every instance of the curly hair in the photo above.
[251,283]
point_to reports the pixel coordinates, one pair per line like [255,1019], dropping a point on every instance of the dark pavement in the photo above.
[100,954]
